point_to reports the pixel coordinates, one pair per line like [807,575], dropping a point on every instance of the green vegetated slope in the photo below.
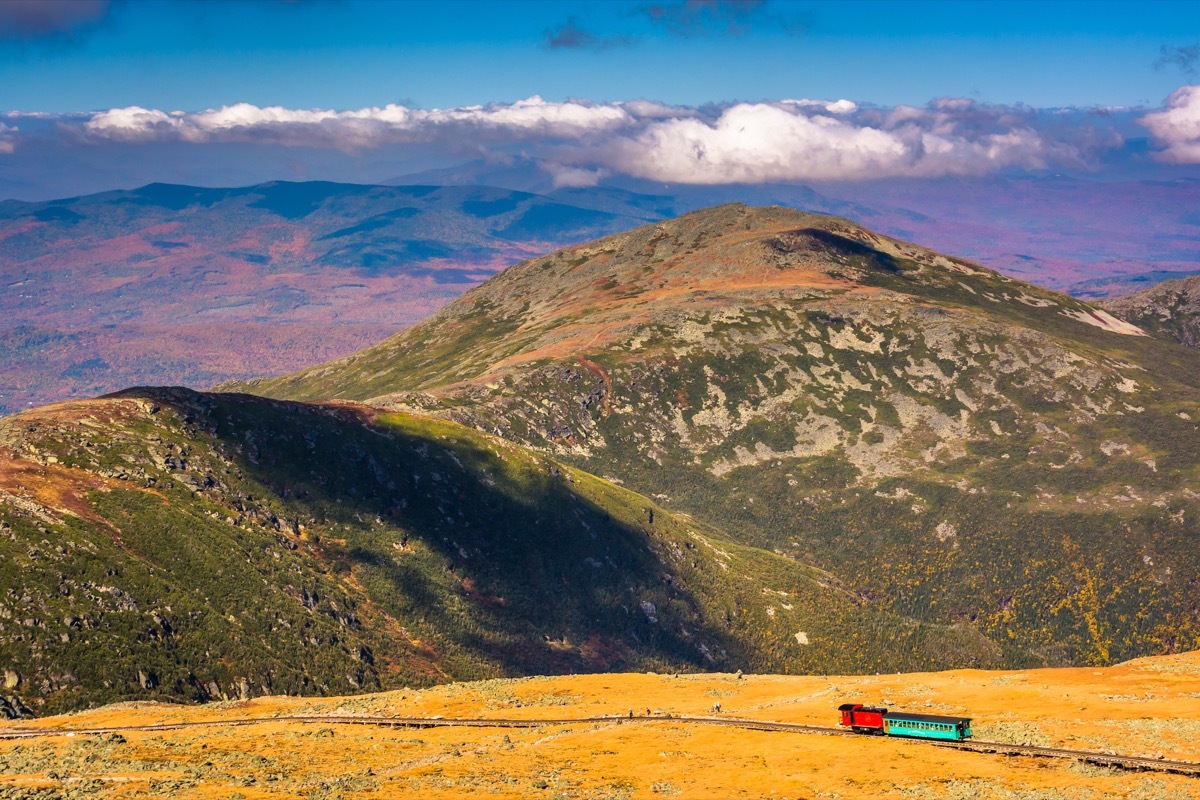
[952,444]
[1169,310]
[163,543]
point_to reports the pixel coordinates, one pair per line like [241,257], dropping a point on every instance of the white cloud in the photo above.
[574,177]
[761,142]
[833,107]
[841,107]
[755,143]
[1177,127]
[131,124]
[649,109]
[558,119]
[8,135]
[352,129]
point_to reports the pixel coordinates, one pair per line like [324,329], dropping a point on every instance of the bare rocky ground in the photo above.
[1170,310]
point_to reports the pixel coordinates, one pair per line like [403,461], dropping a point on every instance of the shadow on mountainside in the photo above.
[488,551]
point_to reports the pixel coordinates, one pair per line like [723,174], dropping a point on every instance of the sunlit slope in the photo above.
[164,543]
[952,444]
[1150,707]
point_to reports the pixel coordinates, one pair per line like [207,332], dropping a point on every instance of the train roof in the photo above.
[861,707]
[904,715]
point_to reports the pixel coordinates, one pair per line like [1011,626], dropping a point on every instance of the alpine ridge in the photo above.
[1169,310]
[952,444]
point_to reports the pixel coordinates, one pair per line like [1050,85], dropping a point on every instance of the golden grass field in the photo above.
[1145,707]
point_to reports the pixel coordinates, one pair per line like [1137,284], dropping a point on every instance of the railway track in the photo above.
[1091,757]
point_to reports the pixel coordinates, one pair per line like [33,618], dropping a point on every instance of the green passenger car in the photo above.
[927,726]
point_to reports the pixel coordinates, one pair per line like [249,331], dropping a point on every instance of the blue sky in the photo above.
[190,55]
[98,94]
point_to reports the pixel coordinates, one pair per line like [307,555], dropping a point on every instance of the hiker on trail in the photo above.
[716,708]
[631,713]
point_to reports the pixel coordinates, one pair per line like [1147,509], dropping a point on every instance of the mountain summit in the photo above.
[731,258]
[952,444]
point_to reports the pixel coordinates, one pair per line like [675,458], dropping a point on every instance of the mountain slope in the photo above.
[952,444]
[163,543]
[1169,310]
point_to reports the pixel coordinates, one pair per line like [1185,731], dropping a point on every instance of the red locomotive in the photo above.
[862,719]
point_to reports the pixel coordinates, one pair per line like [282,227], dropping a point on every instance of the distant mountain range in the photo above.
[192,285]
[177,283]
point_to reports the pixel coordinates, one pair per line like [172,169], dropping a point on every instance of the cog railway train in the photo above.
[881,722]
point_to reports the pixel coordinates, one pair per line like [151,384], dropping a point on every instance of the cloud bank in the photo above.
[580,143]
[805,140]
[366,127]
[737,143]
